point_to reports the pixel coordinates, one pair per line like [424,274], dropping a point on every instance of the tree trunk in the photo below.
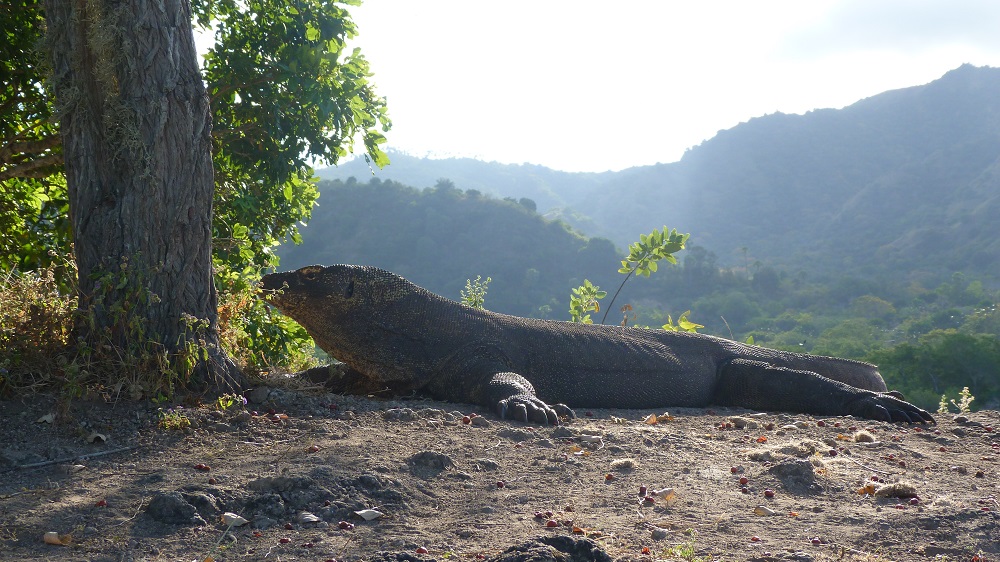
[136,130]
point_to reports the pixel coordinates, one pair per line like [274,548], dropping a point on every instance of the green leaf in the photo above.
[312,34]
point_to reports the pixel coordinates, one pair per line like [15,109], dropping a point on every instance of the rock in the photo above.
[796,474]
[744,423]
[431,459]
[515,434]
[258,395]
[170,507]
[558,548]
[306,517]
[486,464]
[400,414]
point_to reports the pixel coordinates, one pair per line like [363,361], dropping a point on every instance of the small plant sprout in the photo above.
[584,301]
[684,325]
[643,255]
[642,260]
[964,404]
[474,294]
[227,401]
[173,419]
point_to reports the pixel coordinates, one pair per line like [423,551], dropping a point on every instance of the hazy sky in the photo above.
[581,85]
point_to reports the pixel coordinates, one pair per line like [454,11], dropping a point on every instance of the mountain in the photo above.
[904,182]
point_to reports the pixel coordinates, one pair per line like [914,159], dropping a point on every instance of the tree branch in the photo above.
[36,168]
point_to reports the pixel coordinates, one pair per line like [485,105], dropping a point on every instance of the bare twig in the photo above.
[68,459]
[864,466]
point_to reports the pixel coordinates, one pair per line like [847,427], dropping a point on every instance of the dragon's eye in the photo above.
[310,274]
[350,290]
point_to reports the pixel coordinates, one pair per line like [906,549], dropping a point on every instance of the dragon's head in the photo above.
[355,313]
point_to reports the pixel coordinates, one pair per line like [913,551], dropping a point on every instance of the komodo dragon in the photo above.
[397,335]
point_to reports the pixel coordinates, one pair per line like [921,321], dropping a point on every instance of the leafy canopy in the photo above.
[286,94]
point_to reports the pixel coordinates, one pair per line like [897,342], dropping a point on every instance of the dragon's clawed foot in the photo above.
[529,408]
[886,407]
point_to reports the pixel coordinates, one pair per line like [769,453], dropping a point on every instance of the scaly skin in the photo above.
[396,335]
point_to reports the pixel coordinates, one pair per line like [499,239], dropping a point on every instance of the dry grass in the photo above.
[36,319]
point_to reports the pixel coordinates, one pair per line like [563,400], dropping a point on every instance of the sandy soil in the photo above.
[298,465]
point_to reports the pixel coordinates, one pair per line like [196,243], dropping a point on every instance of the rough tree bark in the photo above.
[136,131]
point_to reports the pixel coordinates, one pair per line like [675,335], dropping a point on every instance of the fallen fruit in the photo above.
[313,449]
[421,550]
[768,493]
[202,466]
[501,483]
[284,540]
[53,537]
[755,538]
[551,523]
[288,527]
[744,480]
[101,503]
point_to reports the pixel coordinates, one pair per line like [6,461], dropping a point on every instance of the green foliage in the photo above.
[686,550]
[683,324]
[227,401]
[643,255]
[963,406]
[285,92]
[258,338]
[474,294]
[585,300]
[942,362]
[173,419]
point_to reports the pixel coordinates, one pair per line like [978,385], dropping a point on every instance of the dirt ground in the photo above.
[451,481]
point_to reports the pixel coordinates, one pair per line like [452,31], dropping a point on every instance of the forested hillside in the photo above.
[442,236]
[905,183]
